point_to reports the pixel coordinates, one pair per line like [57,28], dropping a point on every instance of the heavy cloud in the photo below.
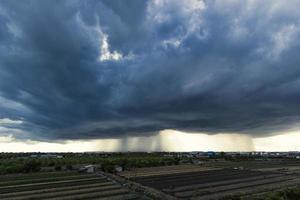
[105,69]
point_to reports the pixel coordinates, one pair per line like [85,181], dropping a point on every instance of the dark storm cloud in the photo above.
[103,69]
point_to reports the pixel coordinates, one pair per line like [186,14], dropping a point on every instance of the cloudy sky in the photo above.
[116,75]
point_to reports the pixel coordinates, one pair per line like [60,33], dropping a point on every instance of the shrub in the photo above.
[32,166]
[285,194]
[69,167]
[57,168]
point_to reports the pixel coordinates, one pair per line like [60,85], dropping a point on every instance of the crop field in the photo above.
[267,164]
[63,186]
[218,183]
[172,169]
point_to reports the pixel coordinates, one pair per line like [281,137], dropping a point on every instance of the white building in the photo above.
[118,168]
[88,169]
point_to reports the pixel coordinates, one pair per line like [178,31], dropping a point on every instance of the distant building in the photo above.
[88,169]
[210,153]
[118,168]
[46,156]
[197,162]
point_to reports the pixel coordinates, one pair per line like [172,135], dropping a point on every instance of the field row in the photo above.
[191,178]
[173,169]
[216,184]
[65,187]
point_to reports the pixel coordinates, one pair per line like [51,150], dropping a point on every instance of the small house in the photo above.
[118,168]
[88,169]
[197,162]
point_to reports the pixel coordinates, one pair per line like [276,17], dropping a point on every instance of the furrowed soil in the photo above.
[215,183]
[63,186]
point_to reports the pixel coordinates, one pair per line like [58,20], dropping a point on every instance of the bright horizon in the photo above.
[169,140]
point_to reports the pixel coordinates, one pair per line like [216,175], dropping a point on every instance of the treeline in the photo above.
[19,166]
[107,162]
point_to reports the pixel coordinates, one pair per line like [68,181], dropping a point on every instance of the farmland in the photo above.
[63,186]
[217,183]
[172,169]
[161,176]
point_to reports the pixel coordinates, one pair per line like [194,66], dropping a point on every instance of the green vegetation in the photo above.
[285,194]
[19,166]
[25,163]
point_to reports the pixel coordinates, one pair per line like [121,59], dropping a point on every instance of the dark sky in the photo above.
[104,69]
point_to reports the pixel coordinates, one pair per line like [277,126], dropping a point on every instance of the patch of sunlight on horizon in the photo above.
[284,142]
[181,141]
[166,140]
